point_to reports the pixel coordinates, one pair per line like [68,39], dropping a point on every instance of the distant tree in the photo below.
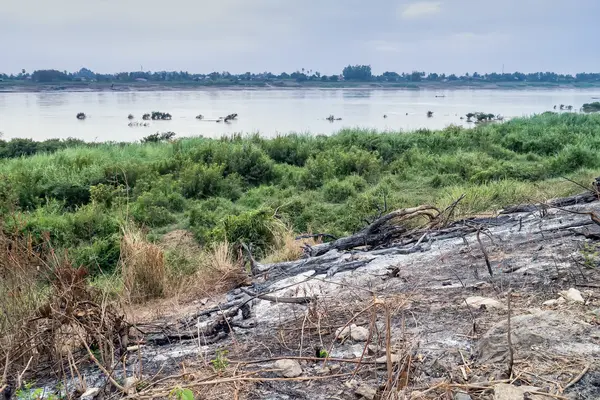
[390,76]
[49,75]
[333,78]
[415,76]
[284,75]
[324,78]
[357,73]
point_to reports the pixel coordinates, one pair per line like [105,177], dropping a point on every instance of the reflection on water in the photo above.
[270,112]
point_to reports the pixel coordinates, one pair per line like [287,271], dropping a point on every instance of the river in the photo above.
[269,112]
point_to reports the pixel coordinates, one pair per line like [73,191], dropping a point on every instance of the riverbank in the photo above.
[33,87]
[253,189]
[159,227]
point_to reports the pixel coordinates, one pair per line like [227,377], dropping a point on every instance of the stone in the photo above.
[552,302]
[129,384]
[505,391]
[357,350]
[356,333]
[351,384]
[538,329]
[462,396]
[366,392]
[573,295]
[478,302]
[289,368]
[359,334]
[383,359]
[323,371]
[90,394]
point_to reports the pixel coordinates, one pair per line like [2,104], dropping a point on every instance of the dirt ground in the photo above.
[432,324]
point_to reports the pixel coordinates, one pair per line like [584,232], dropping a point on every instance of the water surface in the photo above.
[270,112]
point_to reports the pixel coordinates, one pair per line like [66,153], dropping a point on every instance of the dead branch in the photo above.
[274,299]
[578,377]
[509,340]
[383,230]
[485,255]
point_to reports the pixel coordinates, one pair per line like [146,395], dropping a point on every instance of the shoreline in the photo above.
[9,87]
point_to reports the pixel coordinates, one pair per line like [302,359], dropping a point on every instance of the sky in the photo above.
[200,36]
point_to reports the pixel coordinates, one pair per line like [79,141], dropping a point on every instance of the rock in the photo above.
[462,396]
[383,359]
[478,302]
[90,394]
[359,334]
[552,302]
[289,368]
[129,384]
[351,384]
[573,295]
[546,329]
[366,392]
[356,333]
[505,391]
[357,350]
[323,371]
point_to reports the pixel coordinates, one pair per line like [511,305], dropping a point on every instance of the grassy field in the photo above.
[80,198]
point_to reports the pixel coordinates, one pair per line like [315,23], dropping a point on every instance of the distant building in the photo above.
[141,80]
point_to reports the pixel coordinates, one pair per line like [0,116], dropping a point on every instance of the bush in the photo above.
[258,228]
[201,181]
[336,191]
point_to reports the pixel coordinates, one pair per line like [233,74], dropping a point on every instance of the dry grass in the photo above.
[216,270]
[143,267]
[47,311]
[21,289]
[288,248]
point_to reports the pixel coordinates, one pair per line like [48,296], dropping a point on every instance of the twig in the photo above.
[485,255]
[388,346]
[342,360]
[578,377]
[509,339]
[20,377]
[554,396]
[101,367]
[274,299]
[316,235]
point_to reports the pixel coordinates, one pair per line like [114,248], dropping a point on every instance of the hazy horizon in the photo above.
[445,36]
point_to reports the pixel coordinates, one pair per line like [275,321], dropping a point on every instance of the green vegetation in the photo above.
[253,189]
[591,107]
[349,76]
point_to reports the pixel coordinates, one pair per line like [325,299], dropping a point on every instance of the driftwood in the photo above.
[387,235]
[383,230]
[583,198]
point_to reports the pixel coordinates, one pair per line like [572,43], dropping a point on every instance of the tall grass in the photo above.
[251,189]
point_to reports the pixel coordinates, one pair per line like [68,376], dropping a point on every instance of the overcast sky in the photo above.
[452,36]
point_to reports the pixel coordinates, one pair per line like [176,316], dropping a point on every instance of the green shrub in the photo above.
[101,256]
[258,228]
[335,191]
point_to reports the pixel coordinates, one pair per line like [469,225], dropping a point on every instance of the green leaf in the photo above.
[187,394]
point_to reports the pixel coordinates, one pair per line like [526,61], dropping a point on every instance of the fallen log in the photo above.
[582,198]
[382,231]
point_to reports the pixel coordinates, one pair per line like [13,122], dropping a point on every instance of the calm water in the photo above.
[269,112]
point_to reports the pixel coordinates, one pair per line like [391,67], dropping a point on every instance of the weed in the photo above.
[220,362]
[590,254]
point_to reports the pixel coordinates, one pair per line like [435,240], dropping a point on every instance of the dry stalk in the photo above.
[578,377]
[485,255]
[509,340]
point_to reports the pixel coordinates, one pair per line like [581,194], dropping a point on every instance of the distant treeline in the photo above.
[356,73]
